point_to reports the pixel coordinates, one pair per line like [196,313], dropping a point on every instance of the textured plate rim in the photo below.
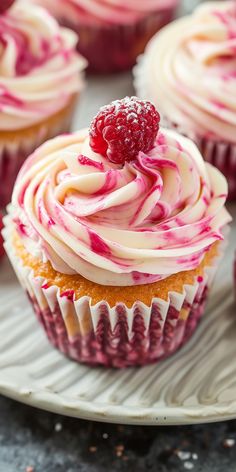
[116,414]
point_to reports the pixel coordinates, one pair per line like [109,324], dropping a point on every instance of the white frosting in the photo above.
[130,225]
[39,67]
[190,72]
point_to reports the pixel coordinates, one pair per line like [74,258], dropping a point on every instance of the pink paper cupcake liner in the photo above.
[14,152]
[113,336]
[115,48]
[113,348]
[218,153]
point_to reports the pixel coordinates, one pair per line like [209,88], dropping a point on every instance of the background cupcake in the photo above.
[116,237]
[40,79]
[189,70]
[112,32]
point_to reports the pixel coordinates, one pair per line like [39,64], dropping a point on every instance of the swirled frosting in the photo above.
[106,11]
[39,67]
[135,224]
[190,72]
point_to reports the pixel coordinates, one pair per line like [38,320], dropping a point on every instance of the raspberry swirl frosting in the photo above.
[119,225]
[39,67]
[190,72]
[106,11]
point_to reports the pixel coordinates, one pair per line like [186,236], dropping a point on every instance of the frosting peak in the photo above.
[190,69]
[39,67]
[135,224]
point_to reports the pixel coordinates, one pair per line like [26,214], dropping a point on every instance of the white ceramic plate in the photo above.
[196,385]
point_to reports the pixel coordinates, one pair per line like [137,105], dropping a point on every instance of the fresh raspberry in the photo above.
[124,128]
[5,4]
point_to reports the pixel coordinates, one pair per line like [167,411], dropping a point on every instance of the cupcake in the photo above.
[40,80]
[115,233]
[189,70]
[112,33]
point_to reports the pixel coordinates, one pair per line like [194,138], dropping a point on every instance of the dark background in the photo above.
[37,441]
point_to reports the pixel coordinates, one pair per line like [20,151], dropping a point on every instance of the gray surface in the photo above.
[99,92]
[28,438]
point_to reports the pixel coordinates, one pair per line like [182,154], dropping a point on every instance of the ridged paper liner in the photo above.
[220,154]
[122,42]
[113,336]
[14,150]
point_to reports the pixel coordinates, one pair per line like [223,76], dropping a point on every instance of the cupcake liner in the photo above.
[122,43]
[16,147]
[218,153]
[113,336]
[223,156]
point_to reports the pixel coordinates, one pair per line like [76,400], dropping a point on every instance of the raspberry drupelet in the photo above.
[124,128]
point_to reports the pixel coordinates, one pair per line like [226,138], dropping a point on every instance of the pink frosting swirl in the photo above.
[39,66]
[130,225]
[106,11]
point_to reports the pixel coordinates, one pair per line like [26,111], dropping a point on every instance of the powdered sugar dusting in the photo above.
[124,128]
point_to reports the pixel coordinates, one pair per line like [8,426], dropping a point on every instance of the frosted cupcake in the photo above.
[189,70]
[40,79]
[112,32]
[115,233]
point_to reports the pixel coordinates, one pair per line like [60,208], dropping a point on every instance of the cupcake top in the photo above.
[39,67]
[125,203]
[189,70]
[105,11]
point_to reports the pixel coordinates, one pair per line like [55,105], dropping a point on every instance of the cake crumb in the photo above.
[195,456]
[120,428]
[119,450]
[228,443]
[188,465]
[58,427]
[93,449]
[183,455]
